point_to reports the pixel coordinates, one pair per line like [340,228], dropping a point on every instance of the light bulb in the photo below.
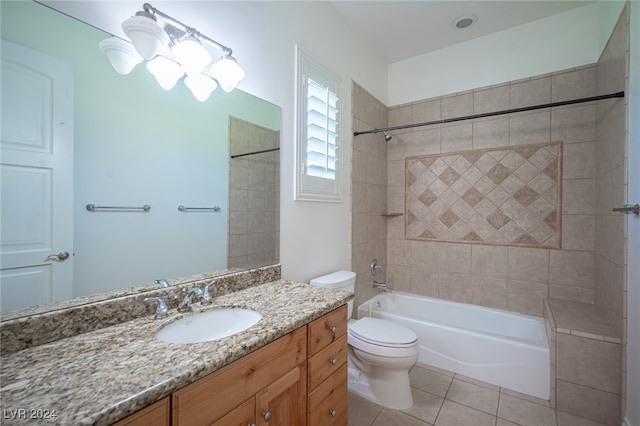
[166,71]
[227,72]
[191,55]
[200,85]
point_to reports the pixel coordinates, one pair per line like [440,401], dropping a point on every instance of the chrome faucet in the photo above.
[381,286]
[162,310]
[206,295]
[185,305]
[161,282]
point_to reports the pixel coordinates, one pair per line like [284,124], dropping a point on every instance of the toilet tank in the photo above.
[339,280]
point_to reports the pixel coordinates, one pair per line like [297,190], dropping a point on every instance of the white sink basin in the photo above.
[209,325]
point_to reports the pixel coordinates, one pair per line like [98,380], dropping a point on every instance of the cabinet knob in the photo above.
[333,413]
[333,361]
[266,415]
[252,424]
[333,329]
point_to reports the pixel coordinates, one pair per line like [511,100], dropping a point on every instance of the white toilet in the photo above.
[381,352]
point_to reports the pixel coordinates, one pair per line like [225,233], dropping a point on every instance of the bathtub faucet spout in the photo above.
[381,286]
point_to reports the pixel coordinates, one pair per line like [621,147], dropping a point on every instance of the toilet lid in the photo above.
[382,332]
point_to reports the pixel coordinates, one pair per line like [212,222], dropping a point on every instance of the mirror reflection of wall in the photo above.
[254,194]
[136,144]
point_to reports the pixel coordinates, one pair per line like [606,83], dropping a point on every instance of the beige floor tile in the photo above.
[362,412]
[503,422]
[525,412]
[436,369]
[526,397]
[454,414]
[430,381]
[396,418]
[477,382]
[566,419]
[425,405]
[474,396]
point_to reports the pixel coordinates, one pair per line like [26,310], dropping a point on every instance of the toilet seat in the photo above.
[381,337]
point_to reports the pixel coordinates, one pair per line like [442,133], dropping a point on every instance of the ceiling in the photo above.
[404,29]
[399,29]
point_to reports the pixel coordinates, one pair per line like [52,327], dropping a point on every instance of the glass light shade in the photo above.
[166,72]
[147,37]
[121,54]
[227,72]
[200,85]
[191,55]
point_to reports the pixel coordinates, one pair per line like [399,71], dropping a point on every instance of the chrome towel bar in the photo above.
[93,207]
[628,208]
[198,209]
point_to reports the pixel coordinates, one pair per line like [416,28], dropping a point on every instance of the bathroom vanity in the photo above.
[290,368]
[302,372]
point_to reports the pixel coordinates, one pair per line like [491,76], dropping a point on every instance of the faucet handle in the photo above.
[206,295]
[185,305]
[162,310]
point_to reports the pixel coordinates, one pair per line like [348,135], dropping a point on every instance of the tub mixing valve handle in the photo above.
[375,267]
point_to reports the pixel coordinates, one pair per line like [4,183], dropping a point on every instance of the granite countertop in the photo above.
[102,376]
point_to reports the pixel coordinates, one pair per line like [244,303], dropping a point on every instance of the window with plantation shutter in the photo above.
[319,116]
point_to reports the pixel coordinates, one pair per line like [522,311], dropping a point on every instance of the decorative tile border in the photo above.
[508,196]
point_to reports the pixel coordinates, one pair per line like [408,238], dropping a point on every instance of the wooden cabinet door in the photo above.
[283,402]
[242,415]
[210,398]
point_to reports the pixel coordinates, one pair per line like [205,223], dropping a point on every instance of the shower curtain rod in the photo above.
[255,152]
[489,114]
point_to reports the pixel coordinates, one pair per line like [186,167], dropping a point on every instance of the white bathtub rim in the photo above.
[536,319]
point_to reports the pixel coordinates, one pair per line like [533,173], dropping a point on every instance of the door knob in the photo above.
[62,256]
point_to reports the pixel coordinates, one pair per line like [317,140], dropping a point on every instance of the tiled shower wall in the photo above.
[368,192]
[512,278]
[611,188]
[254,195]
[612,75]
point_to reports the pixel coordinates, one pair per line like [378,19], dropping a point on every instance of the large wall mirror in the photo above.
[135,144]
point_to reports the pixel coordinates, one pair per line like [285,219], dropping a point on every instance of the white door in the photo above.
[36,180]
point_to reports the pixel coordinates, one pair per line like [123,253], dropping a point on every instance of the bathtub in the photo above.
[498,347]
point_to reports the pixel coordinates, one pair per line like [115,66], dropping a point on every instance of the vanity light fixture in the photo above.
[173,49]
[121,54]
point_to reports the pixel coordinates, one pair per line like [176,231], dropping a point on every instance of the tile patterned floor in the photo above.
[442,398]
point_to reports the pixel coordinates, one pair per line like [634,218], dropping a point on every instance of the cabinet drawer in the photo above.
[328,402]
[208,399]
[327,329]
[327,361]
